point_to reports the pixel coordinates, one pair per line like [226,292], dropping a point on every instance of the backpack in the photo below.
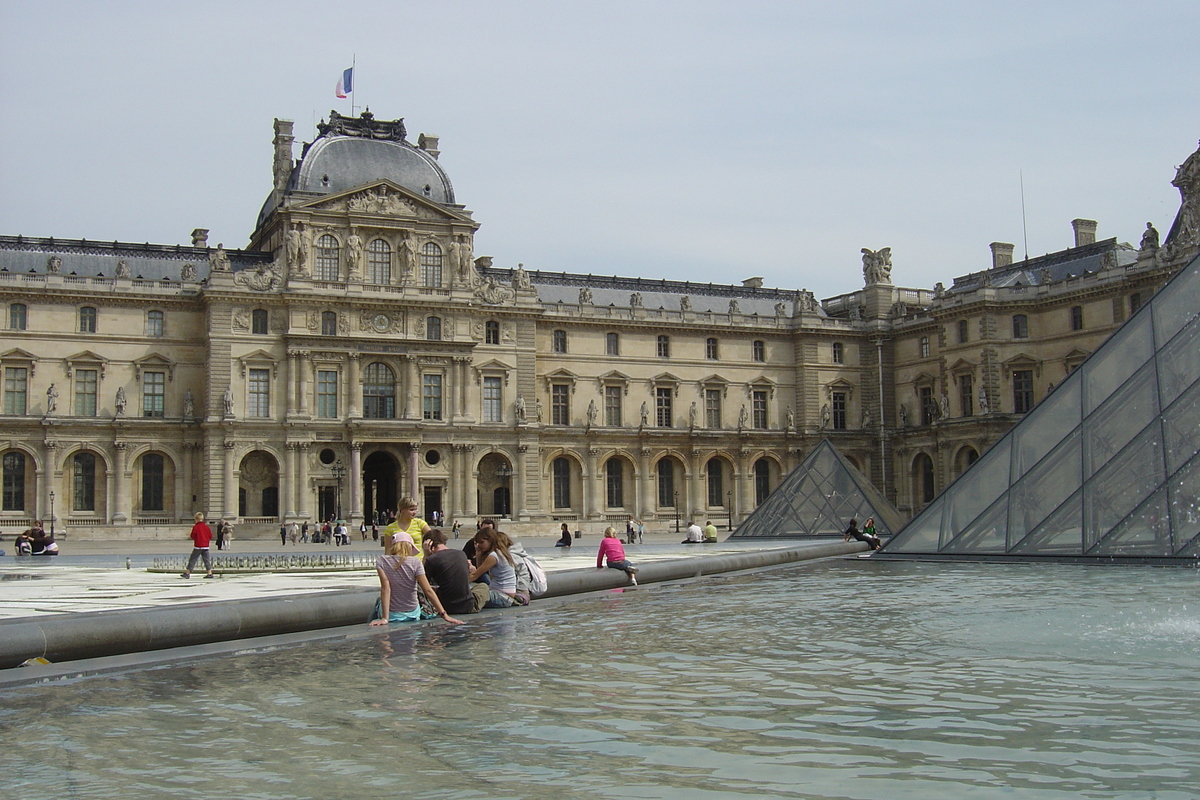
[531,578]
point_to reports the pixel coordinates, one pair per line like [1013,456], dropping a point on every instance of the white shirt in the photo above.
[694,533]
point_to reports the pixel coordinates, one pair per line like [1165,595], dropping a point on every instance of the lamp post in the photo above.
[729,507]
[504,472]
[51,513]
[677,512]
[339,472]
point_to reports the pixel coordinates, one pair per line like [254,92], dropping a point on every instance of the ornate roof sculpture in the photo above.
[1106,467]
[819,498]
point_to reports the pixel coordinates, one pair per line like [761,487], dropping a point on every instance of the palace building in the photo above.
[357,351]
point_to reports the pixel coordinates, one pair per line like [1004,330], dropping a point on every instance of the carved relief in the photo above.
[492,294]
[241,319]
[262,279]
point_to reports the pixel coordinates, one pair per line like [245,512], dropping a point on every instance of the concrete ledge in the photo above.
[68,637]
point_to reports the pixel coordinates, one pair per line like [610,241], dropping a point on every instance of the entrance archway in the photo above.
[495,486]
[381,485]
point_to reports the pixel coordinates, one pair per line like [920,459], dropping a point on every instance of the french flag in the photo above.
[346,83]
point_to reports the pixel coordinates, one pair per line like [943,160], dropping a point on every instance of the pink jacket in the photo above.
[610,546]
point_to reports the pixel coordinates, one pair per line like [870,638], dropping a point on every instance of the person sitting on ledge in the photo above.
[610,548]
[694,534]
[494,560]
[400,572]
[564,538]
[710,533]
[448,571]
[853,532]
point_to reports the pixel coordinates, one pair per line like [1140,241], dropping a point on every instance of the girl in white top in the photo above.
[494,560]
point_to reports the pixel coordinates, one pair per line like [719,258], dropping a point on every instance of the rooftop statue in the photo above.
[877,265]
[364,126]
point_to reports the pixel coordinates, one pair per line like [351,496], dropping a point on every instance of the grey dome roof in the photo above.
[338,163]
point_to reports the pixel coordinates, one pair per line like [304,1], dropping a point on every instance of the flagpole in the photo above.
[353,80]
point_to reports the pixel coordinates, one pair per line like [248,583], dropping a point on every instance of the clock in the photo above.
[381,322]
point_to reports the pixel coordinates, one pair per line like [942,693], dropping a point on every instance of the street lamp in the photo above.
[677,512]
[51,513]
[729,507]
[504,472]
[339,472]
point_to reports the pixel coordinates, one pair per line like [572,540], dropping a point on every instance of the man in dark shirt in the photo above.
[448,570]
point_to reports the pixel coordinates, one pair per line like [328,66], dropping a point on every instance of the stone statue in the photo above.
[520,278]
[645,413]
[692,415]
[189,403]
[983,401]
[296,249]
[877,265]
[122,269]
[54,265]
[825,415]
[939,289]
[780,309]
[685,303]
[866,419]
[591,413]
[585,295]
[733,307]
[354,254]
[1185,232]
[188,272]
[790,417]
[945,406]
[1044,276]
[742,417]
[491,293]
[465,264]
[228,400]
[537,409]
[903,416]
[519,407]
[635,300]
[408,255]
[219,260]
[1149,238]
[51,399]
[808,302]
[262,278]
[121,401]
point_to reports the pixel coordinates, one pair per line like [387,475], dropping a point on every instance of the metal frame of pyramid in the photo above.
[1105,468]
[818,498]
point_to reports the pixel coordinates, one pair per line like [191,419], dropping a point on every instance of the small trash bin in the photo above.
[578,534]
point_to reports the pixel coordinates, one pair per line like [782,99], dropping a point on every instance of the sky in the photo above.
[704,141]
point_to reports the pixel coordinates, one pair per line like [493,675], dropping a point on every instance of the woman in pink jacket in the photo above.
[610,548]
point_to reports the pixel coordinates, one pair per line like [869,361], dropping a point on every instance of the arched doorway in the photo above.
[258,485]
[922,480]
[381,482]
[966,457]
[495,486]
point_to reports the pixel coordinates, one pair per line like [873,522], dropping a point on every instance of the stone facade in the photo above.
[357,351]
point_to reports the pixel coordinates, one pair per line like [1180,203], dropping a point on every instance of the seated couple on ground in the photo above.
[867,534]
[36,542]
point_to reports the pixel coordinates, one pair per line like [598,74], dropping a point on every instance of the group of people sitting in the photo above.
[867,534]
[421,577]
[36,542]
[698,535]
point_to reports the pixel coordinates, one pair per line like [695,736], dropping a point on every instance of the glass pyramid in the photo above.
[1107,466]
[819,498]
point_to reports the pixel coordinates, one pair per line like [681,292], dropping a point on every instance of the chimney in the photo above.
[429,143]
[200,237]
[283,153]
[1085,231]
[753,283]
[1002,253]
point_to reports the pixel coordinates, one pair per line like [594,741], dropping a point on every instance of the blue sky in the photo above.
[704,141]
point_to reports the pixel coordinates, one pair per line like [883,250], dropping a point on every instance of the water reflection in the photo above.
[863,680]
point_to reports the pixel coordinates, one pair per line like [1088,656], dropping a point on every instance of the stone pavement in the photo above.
[105,576]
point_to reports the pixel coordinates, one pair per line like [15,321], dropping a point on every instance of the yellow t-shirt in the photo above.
[414,530]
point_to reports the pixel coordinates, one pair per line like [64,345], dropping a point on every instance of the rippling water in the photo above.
[836,679]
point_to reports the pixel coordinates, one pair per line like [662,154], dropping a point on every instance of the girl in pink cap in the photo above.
[400,572]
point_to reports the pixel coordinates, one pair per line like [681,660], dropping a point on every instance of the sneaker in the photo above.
[210,575]
[185,575]
[633,578]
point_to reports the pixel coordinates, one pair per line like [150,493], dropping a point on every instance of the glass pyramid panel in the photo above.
[1061,534]
[1113,364]
[1045,488]
[819,498]
[1126,412]
[1107,465]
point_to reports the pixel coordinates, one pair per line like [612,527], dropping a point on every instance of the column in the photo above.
[354,391]
[521,504]
[414,483]
[356,487]
[184,482]
[412,389]
[46,481]
[303,493]
[288,482]
[292,378]
[462,378]
[120,512]
[302,383]
[646,487]
[591,503]
[470,481]
[695,489]
[231,490]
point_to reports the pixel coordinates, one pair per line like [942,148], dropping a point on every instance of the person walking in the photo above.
[283,533]
[220,534]
[201,537]
[294,534]
[304,532]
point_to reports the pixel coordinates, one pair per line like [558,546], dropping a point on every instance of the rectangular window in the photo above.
[1020,326]
[493,408]
[928,406]
[14,482]
[612,344]
[562,483]
[666,483]
[839,411]
[1135,302]
[152,482]
[154,393]
[329,323]
[85,392]
[662,406]
[16,317]
[1022,390]
[966,395]
[924,347]
[963,331]
[259,396]
[839,353]
[560,404]
[87,320]
[491,332]
[759,350]
[327,393]
[612,406]
[758,405]
[712,408]
[559,341]
[431,396]
[154,323]
[16,384]
[1077,318]
[710,348]
[664,346]
[615,483]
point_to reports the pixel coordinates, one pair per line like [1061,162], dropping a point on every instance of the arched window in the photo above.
[379,262]
[328,323]
[562,482]
[762,481]
[258,321]
[152,482]
[83,498]
[431,264]
[923,476]
[14,481]
[328,255]
[379,392]
[716,483]
[491,332]
[666,483]
[615,482]
[87,319]
[433,329]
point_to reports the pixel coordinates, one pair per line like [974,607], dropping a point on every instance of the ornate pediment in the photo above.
[383,199]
